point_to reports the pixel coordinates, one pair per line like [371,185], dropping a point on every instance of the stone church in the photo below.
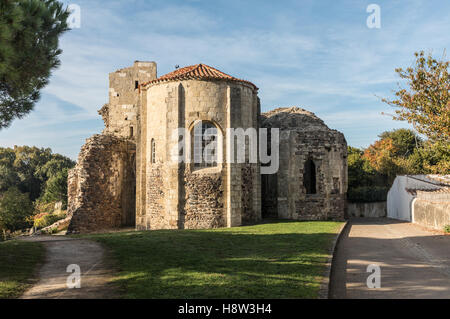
[124,177]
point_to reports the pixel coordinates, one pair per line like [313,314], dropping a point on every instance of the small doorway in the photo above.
[309,177]
[269,196]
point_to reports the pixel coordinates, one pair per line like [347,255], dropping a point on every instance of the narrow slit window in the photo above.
[131,131]
[153,149]
[136,85]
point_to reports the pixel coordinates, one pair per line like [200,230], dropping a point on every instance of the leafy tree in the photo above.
[27,163]
[434,158]
[55,173]
[56,188]
[404,141]
[372,171]
[29,33]
[360,173]
[365,183]
[381,156]
[29,168]
[8,178]
[426,104]
[7,156]
[30,174]
[54,166]
[15,210]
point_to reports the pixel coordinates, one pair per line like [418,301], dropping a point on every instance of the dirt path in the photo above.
[61,252]
[414,262]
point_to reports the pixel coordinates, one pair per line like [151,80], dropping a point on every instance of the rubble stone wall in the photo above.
[303,137]
[101,187]
[204,201]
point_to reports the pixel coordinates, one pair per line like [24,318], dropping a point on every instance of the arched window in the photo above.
[153,151]
[309,177]
[204,145]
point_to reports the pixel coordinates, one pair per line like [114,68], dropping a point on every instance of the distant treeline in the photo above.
[29,177]
[371,171]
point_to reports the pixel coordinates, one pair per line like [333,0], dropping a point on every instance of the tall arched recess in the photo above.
[309,177]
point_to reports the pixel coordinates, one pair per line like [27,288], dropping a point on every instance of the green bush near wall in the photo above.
[368,194]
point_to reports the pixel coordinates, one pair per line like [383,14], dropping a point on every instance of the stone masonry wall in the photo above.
[204,202]
[120,114]
[328,151]
[156,192]
[104,191]
[303,137]
[156,211]
[249,213]
[431,214]
[101,187]
[177,194]
[432,209]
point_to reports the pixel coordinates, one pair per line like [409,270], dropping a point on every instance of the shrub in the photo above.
[447,228]
[15,209]
[52,230]
[42,208]
[44,220]
[368,194]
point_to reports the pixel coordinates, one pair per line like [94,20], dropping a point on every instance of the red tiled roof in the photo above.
[197,72]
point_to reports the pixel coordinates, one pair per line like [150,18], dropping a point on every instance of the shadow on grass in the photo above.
[271,260]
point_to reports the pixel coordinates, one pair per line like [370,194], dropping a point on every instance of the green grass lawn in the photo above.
[272,260]
[18,261]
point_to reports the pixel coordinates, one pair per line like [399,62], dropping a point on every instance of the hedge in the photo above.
[368,194]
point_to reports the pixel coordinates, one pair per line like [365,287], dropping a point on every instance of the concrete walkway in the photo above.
[414,262]
[61,252]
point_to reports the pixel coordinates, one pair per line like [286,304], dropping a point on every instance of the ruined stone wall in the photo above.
[120,114]
[328,150]
[303,136]
[101,187]
[194,198]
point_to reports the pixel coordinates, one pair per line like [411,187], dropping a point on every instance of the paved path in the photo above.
[414,262]
[61,252]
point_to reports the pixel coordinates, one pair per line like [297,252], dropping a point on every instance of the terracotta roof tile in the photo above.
[197,72]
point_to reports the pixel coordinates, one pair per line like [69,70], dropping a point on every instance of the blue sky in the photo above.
[318,55]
